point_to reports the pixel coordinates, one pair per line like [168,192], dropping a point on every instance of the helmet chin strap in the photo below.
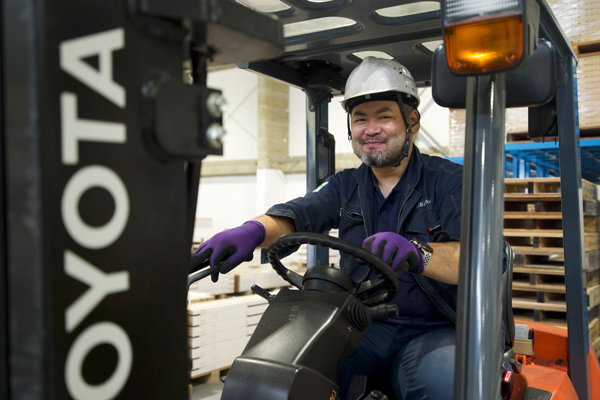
[408,129]
[406,146]
[349,130]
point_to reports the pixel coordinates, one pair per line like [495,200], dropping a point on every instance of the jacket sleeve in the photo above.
[451,211]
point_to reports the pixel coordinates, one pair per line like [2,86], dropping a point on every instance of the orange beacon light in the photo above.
[489,35]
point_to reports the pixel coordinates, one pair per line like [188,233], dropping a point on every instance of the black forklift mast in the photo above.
[97,127]
[105,119]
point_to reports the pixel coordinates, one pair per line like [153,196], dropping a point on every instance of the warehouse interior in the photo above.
[256,125]
[100,115]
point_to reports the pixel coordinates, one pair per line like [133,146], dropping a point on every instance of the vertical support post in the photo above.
[478,329]
[4,381]
[574,245]
[521,168]
[317,116]
[23,269]
[539,171]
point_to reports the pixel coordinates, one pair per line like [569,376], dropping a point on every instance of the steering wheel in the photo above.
[372,292]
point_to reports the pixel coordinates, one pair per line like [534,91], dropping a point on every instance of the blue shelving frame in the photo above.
[524,160]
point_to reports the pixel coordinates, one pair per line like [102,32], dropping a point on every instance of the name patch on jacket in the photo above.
[422,203]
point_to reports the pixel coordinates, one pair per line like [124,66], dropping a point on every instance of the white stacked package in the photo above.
[225,285]
[219,330]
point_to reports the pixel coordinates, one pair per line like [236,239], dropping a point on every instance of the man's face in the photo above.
[378,133]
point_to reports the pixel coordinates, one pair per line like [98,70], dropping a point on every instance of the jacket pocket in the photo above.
[352,229]
[352,215]
[352,226]
[423,225]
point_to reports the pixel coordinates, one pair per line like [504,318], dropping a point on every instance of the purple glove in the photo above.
[229,248]
[396,251]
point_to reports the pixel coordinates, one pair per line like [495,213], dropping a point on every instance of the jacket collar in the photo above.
[363,176]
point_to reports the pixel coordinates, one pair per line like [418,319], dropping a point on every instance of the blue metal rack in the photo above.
[524,160]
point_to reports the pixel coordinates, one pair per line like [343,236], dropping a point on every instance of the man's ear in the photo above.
[415,118]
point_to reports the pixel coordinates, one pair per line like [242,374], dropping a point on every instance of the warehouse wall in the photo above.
[227,201]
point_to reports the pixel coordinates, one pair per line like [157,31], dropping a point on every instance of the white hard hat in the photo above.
[378,75]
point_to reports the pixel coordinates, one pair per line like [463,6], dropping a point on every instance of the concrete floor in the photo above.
[207,391]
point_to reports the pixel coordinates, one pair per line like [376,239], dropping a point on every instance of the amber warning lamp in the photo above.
[483,36]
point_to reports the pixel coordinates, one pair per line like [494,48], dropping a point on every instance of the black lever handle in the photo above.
[383,312]
[262,293]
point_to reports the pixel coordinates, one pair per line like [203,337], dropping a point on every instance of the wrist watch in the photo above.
[426,250]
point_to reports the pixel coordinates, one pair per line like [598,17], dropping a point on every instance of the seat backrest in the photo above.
[507,311]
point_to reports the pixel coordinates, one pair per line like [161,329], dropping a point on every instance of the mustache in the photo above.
[370,139]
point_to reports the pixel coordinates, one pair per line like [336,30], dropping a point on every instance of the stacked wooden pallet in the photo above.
[533,227]
[219,330]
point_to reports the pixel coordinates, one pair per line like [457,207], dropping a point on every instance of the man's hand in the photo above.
[229,248]
[396,251]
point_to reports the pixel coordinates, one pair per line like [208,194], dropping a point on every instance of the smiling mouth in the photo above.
[373,144]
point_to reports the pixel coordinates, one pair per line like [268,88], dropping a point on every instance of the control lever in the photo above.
[262,293]
[362,316]
[383,312]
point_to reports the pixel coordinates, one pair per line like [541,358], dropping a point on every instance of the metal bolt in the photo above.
[215,134]
[216,104]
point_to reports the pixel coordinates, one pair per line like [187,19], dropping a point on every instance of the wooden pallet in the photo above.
[592,259]
[551,290]
[545,186]
[550,274]
[212,376]
[594,329]
[527,240]
[543,203]
[553,312]
[586,49]
[545,220]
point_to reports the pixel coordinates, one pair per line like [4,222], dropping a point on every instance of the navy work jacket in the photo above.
[431,211]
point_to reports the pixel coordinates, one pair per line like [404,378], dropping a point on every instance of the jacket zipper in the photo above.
[362,212]
[402,207]
[416,280]
[366,232]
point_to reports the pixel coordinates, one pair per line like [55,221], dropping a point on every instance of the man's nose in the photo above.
[372,127]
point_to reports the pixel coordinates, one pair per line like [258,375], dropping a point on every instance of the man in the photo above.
[397,195]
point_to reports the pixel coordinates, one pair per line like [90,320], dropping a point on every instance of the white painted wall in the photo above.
[226,202]
[240,120]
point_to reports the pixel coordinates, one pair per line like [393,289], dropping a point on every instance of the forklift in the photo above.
[106,118]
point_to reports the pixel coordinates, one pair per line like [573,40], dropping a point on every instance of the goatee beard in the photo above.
[378,160]
[385,158]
